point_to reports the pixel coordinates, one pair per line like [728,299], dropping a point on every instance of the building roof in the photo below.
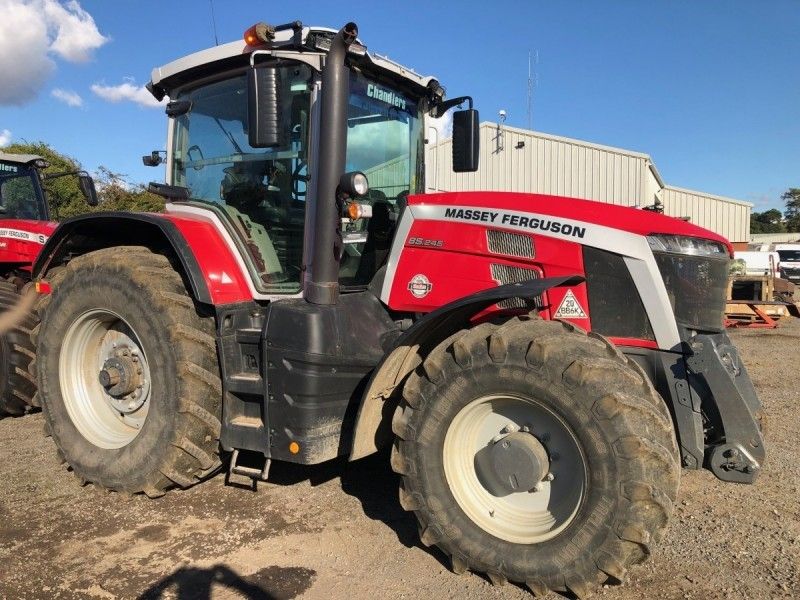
[707,195]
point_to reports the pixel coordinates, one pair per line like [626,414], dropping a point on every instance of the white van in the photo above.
[789,261]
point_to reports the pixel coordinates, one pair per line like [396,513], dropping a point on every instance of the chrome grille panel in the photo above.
[503,274]
[511,244]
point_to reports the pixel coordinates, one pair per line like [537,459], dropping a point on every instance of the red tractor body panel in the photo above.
[446,253]
[226,281]
[21,240]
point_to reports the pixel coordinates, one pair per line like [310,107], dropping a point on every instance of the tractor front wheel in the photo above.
[128,373]
[536,454]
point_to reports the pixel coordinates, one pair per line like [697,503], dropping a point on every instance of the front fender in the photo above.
[373,422]
[201,253]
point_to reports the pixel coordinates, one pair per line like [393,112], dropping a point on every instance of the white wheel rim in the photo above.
[526,517]
[107,421]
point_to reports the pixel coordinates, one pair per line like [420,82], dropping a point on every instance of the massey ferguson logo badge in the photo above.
[419,286]
[570,308]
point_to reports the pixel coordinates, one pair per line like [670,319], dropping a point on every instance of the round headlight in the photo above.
[354,184]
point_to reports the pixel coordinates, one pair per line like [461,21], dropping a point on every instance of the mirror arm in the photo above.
[439,109]
[64,174]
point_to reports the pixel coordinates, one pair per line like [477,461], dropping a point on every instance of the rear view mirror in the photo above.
[466,141]
[264,108]
[88,190]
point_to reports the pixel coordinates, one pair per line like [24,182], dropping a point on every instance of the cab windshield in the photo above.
[384,141]
[18,193]
[262,190]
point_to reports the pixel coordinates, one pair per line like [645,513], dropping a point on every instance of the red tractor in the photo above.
[541,367]
[24,228]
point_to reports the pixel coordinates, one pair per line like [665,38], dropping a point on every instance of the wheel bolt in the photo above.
[549,477]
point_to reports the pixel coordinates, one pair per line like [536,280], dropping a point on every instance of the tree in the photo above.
[792,199]
[769,221]
[116,193]
[64,196]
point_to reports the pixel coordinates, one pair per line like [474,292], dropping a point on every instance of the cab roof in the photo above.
[19,159]
[211,60]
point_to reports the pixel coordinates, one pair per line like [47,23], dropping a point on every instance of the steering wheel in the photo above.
[298,178]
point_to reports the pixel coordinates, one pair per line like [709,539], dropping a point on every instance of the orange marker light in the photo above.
[294,447]
[358,211]
[258,34]
[42,287]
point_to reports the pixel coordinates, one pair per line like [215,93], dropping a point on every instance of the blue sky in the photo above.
[711,90]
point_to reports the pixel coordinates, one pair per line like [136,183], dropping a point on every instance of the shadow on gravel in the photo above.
[270,583]
[372,482]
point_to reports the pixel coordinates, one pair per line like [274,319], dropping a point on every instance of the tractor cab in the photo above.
[247,135]
[21,193]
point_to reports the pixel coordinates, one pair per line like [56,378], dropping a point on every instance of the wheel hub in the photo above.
[515,467]
[105,378]
[123,379]
[519,462]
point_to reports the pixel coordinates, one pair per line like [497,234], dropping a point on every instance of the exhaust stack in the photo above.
[322,283]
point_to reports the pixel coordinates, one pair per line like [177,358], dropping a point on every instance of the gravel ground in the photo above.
[338,531]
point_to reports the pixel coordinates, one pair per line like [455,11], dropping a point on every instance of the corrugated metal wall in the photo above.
[728,217]
[519,160]
[383,177]
[523,161]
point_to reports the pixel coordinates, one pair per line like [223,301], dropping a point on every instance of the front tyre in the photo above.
[535,453]
[128,373]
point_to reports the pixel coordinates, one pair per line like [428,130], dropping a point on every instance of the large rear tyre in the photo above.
[17,385]
[128,373]
[537,454]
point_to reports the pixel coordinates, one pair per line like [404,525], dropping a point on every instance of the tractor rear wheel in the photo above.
[17,385]
[535,453]
[128,373]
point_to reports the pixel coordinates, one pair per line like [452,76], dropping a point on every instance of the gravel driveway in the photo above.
[337,530]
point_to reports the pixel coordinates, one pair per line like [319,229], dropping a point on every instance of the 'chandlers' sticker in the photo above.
[419,286]
[570,308]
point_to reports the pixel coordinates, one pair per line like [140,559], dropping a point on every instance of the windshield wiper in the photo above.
[230,136]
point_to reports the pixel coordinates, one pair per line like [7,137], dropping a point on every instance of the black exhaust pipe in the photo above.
[322,283]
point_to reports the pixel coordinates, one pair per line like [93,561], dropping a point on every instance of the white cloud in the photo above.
[76,34]
[127,92]
[67,97]
[5,137]
[31,33]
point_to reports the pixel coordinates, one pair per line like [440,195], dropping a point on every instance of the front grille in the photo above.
[503,274]
[615,307]
[510,244]
[697,287]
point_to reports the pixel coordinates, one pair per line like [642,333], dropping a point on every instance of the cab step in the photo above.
[248,470]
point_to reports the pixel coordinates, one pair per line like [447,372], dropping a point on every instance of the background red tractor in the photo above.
[539,366]
[25,226]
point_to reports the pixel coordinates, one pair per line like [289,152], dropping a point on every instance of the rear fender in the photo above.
[209,267]
[373,422]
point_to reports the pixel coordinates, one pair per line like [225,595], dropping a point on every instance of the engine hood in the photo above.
[491,207]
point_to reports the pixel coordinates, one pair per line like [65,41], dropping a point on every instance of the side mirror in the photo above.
[86,184]
[466,141]
[264,114]
[153,159]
